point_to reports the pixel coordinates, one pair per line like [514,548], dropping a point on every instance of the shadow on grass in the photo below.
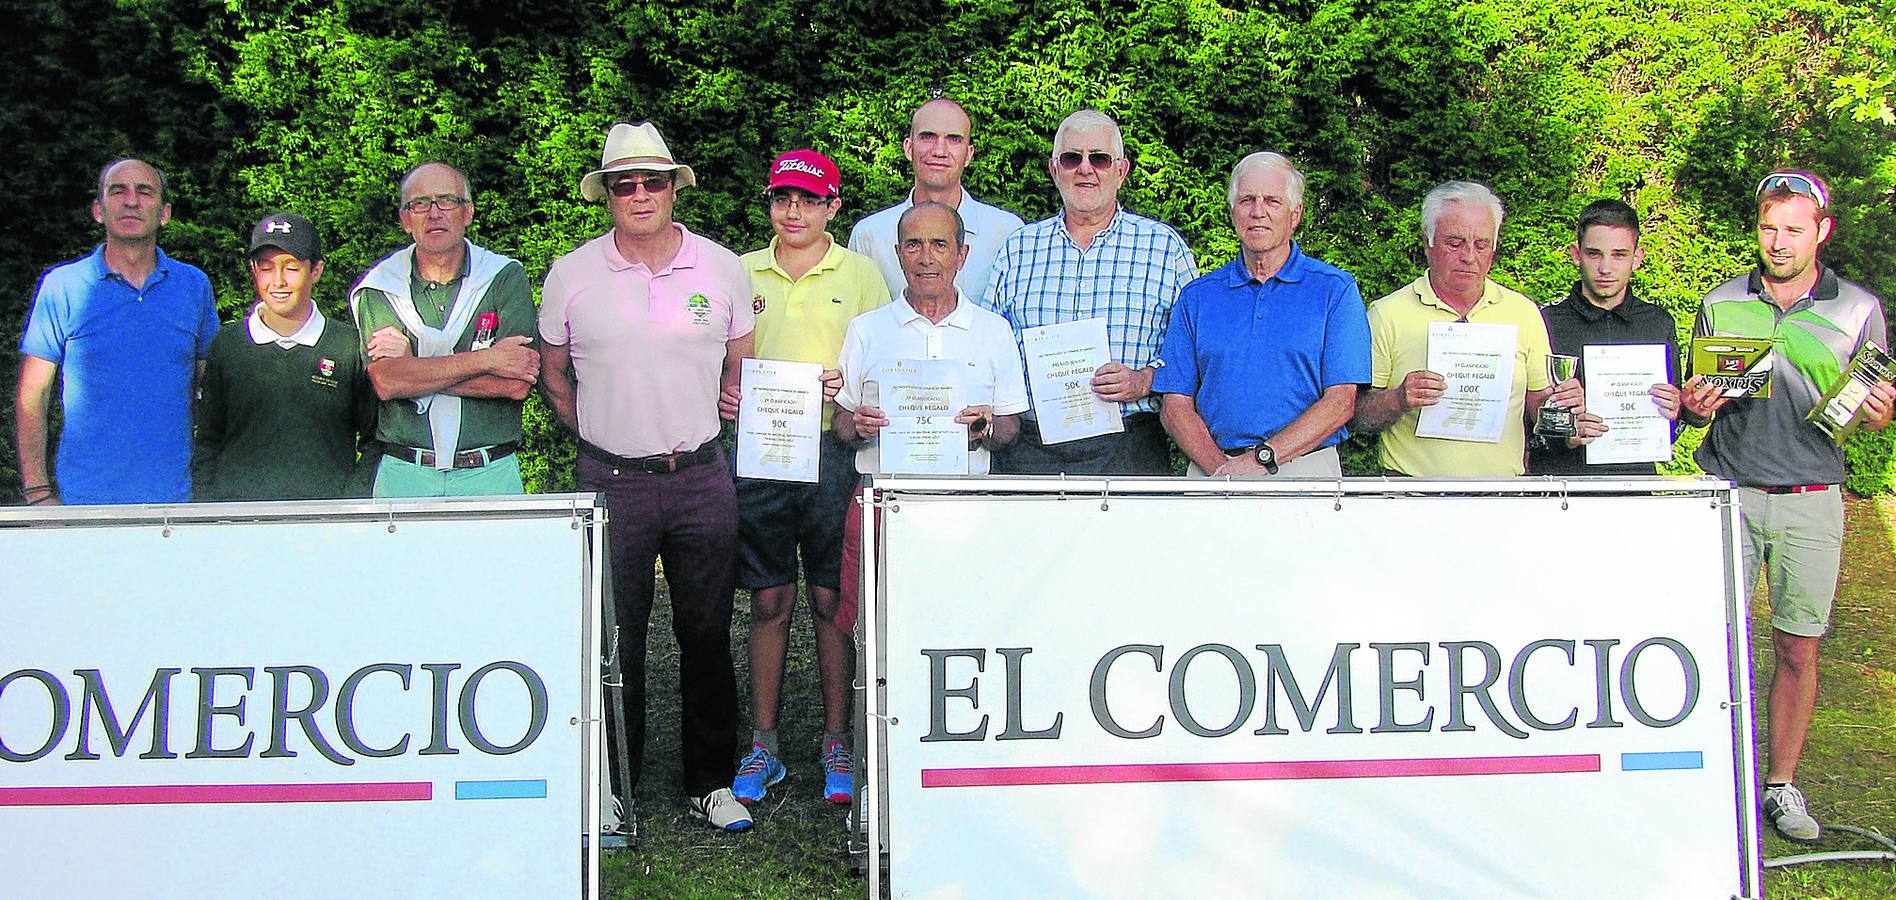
[1849,765]
[798,847]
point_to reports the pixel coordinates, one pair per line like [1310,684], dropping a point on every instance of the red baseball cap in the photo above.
[807,170]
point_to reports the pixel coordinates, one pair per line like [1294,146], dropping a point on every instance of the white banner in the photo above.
[297,707]
[1190,696]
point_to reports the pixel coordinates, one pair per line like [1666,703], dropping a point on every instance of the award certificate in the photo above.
[1619,380]
[1061,360]
[922,437]
[1477,363]
[779,420]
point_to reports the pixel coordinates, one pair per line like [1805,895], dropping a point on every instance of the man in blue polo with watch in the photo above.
[1264,357]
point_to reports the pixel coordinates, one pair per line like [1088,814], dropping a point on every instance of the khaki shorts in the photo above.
[1799,538]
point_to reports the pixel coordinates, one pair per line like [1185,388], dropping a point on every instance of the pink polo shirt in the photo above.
[647,347]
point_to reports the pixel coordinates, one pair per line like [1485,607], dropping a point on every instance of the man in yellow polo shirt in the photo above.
[1461,223]
[805,288]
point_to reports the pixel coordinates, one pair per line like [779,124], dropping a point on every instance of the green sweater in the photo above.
[276,424]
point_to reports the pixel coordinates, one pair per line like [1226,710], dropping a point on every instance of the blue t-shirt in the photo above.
[1255,355]
[127,357]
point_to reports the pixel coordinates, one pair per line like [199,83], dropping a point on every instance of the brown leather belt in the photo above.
[466,459]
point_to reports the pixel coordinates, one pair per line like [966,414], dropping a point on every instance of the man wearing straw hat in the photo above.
[641,330]
[445,327]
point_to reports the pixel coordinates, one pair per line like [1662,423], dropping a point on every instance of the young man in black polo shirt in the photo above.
[284,395]
[1601,309]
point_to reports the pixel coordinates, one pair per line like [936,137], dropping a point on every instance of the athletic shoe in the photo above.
[1785,807]
[839,779]
[721,810]
[756,774]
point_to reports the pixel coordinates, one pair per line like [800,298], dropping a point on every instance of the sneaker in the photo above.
[756,774]
[721,810]
[839,777]
[1784,807]
[611,813]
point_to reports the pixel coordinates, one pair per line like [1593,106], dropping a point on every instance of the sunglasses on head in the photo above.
[627,185]
[1796,183]
[1071,159]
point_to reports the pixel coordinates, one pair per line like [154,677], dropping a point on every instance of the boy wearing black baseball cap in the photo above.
[284,396]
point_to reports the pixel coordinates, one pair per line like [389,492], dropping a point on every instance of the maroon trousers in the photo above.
[688,519]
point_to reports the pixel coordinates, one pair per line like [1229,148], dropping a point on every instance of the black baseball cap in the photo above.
[290,233]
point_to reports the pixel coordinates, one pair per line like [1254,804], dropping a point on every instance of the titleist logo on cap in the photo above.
[797,165]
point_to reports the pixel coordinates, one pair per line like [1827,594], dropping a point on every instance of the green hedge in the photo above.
[1676,107]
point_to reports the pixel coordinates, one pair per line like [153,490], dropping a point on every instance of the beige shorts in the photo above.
[1799,538]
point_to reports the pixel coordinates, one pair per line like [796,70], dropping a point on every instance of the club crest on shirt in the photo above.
[757,304]
[700,307]
[325,373]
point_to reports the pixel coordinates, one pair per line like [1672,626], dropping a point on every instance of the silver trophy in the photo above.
[1558,421]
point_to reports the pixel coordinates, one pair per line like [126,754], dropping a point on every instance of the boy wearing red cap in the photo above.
[805,288]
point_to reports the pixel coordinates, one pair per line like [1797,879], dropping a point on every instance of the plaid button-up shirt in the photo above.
[1130,275]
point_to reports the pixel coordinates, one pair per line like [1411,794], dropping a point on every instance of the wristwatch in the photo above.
[1266,457]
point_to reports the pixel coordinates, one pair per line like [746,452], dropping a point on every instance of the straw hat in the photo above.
[631,147]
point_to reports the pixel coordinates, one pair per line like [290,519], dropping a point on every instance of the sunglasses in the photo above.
[1796,183]
[1071,159]
[652,182]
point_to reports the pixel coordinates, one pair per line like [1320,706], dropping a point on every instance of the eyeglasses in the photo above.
[1796,183]
[788,200]
[443,202]
[628,185]
[1071,159]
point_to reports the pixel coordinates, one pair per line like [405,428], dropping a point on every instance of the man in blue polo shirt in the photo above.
[1264,357]
[125,330]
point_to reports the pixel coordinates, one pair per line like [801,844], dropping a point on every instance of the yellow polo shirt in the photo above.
[1399,344]
[804,320]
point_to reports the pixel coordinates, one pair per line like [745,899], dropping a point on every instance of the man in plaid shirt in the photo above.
[1095,260]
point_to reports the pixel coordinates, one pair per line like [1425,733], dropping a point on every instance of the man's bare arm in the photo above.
[557,384]
[1332,410]
[1179,414]
[1381,407]
[404,376]
[30,427]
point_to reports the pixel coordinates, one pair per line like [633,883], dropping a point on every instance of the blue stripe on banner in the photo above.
[1652,762]
[519,789]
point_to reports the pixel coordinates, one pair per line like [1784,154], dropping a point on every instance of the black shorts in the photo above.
[777,519]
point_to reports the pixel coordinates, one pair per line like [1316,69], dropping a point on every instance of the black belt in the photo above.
[663,462]
[466,459]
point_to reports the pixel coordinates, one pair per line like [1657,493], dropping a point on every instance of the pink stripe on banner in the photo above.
[155,794]
[1259,771]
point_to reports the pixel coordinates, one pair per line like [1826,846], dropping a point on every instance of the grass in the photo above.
[799,848]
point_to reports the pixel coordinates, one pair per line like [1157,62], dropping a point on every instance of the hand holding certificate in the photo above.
[1619,390]
[778,420]
[922,437]
[1061,360]
[1476,363]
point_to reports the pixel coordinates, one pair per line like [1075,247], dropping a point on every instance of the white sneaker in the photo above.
[1785,808]
[611,813]
[720,809]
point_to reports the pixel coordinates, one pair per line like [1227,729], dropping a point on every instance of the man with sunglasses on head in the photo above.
[641,331]
[1095,259]
[939,145]
[446,328]
[1788,472]
[805,289]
